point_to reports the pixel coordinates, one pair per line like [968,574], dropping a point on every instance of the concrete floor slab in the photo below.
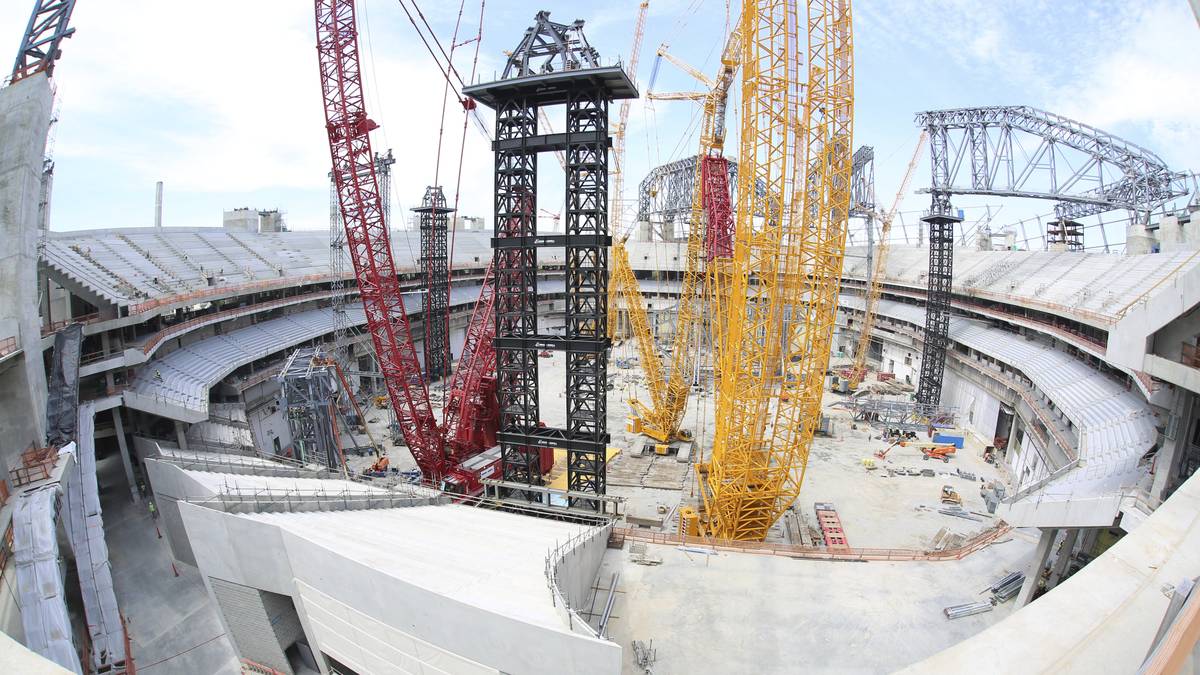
[739,613]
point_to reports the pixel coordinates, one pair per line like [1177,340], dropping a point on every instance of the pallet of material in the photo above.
[831,526]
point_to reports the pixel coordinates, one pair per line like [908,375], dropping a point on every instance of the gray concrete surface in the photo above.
[172,623]
[747,613]
[25,110]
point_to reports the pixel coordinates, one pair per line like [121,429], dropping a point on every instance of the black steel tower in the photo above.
[553,66]
[434,217]
[941,222]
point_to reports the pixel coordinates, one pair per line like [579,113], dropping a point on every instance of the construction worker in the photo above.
[153,510]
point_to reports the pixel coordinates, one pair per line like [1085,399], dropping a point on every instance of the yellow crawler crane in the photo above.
[858,370]
[784,276]
[668,396]
[616,173]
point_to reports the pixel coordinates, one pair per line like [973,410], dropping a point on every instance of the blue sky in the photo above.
[221,100]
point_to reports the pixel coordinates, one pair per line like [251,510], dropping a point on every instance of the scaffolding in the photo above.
[434,218]
[904,415]
[308,392]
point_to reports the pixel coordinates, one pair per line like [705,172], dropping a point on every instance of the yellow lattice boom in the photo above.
[661,419]
[782,283]
[858,369]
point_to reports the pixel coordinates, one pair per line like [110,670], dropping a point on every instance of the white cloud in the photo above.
[1147,78]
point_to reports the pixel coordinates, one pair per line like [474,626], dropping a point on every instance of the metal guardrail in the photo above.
[968,547]
[54,326]
[1190,355]
[554,561]
[8,346]
[175,329]
[236,289]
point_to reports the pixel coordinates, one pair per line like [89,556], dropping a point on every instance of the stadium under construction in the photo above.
[738,415]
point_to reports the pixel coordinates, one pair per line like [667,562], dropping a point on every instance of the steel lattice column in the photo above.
[553,65]
[937,307]
[516,286]
[434,219]
[587,292]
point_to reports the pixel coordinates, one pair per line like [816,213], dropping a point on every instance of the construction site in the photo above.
[553,397]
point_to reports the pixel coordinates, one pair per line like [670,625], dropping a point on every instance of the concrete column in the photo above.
[108,374]
[126,461]
[1090,535]
[1166,463]
[1040,555]
[25,109]
[180,435]
[1064,557]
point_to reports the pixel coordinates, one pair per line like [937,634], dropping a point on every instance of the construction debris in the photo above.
[1007,587]
[959,611]
[644,654]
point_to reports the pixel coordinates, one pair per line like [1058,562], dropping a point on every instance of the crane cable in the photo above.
[437,164]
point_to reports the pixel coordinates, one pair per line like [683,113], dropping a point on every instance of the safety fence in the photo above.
[7,346]
[236,289]
[53,326]
[236,499]
[176,329]
[975,543]
[556,561]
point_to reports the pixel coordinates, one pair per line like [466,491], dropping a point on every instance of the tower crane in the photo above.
[785,271]
[710,230]
[858,369]
[470,415]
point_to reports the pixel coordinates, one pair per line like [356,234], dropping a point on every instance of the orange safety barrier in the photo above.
[249,666]
[8,345]
[968,547]
[50,328]
[36,464]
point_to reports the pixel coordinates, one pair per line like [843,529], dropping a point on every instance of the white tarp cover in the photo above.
[39,577]
[81,505]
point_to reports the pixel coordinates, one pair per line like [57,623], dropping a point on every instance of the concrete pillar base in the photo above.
[1064,557]
[126,460]
[181,435]
[1034,574]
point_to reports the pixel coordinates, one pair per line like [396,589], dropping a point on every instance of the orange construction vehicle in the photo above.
[942,452]
[882,454]
[380,467]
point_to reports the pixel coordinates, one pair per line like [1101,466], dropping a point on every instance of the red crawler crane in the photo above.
[471,414]
[357,189]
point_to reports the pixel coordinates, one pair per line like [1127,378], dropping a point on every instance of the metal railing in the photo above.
[175,329]
[52,327]
[235,499]
[7,346]
[236,289]
[1190,356]
[555,560]
[968,547]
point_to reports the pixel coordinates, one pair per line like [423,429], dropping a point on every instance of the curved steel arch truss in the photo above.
[1019,151]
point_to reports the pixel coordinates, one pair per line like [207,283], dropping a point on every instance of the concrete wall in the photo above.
[250,622]
[25,109]
[977,409]
[374,622]
[171,485]
[267,423]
